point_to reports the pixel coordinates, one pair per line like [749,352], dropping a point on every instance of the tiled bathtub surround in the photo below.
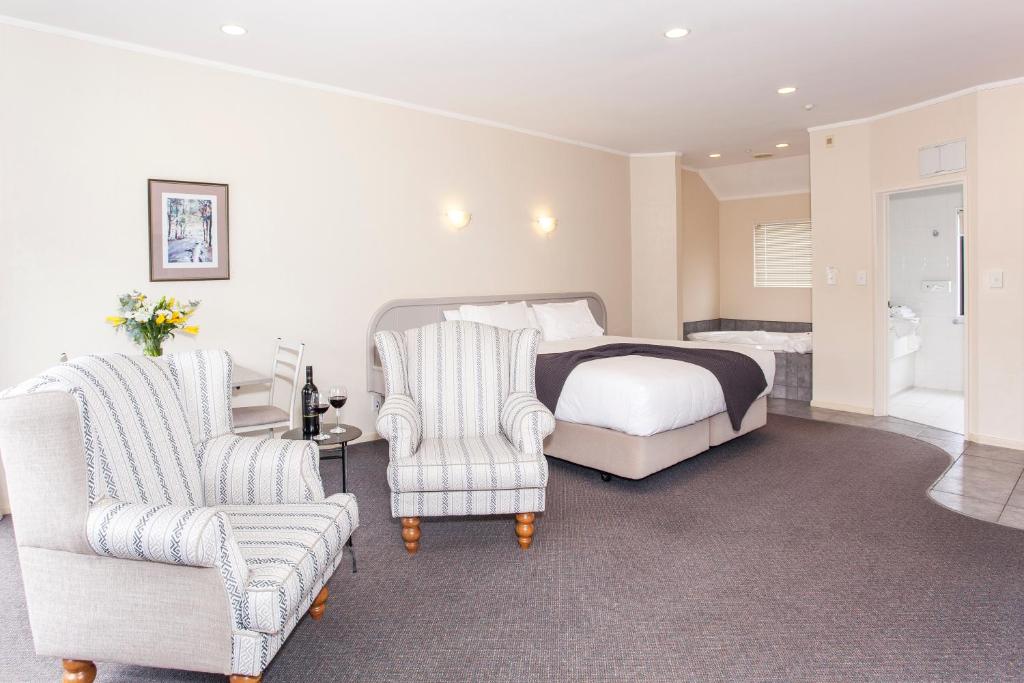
[736,324]
[792,370]
[792,376]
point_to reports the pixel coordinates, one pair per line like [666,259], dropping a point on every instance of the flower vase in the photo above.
[153,348]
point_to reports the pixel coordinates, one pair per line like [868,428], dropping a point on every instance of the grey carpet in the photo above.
[804,551]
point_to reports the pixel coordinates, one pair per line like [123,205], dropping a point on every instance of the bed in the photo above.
[629,416]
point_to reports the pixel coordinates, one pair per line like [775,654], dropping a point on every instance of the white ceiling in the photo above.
[597,71]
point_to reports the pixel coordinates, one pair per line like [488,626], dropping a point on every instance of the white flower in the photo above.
[164,312]
[140,316]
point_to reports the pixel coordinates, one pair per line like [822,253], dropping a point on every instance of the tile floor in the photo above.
[984,482]
[934,407]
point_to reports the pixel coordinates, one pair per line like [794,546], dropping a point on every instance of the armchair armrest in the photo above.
[172,534]
[246,470]
[399,424]
[525,421]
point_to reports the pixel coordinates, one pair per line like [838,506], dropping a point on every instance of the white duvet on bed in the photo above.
[641,395]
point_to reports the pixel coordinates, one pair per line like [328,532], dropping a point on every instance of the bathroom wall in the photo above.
[917,255]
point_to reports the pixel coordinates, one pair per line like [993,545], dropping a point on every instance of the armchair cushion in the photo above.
[290,551]
[480,463]
[245,470]
[399,423]
[525,421]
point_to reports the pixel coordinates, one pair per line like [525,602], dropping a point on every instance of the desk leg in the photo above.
[344,489]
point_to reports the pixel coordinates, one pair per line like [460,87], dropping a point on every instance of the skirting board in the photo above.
[636,457]
[996,441]
[844,407]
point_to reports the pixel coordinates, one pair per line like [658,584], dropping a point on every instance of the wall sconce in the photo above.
[458,218]
[547,224]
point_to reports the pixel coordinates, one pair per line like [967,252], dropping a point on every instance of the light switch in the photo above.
[995,279]
[831,275]
[862,277]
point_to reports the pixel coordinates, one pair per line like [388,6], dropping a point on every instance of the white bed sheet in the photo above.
[641,395]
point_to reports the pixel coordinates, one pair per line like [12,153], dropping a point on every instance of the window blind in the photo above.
[782,254]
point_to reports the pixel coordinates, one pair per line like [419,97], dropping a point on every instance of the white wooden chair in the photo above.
[284,383]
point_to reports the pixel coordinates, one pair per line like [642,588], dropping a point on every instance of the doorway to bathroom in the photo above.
[926,306]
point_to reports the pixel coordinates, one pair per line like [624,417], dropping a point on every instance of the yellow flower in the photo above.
[190,329]
[160,319]
[115,320]
[177,318]
[170,302]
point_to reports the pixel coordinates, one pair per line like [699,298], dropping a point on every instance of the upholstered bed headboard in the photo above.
[406,314]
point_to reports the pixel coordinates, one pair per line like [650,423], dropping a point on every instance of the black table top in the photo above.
[332,440]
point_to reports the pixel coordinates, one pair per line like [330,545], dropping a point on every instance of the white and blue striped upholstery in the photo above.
[169,483]
[455,503]
[458,377]
[471,463]
[286,549]
[464,427]
[241,470]
[138,443]
[203,379]
[526,421]
[399,423]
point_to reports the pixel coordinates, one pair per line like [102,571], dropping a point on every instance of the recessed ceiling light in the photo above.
[677,33]
[808,107]
[782,145]
[233,30]
[715,155]
[786,90]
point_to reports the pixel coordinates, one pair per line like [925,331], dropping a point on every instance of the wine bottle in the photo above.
[310,416]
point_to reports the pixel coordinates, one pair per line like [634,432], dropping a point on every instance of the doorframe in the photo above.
[880,315]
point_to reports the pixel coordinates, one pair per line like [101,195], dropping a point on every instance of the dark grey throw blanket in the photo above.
[740,376]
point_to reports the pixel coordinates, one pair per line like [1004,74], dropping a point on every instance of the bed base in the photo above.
[636,457]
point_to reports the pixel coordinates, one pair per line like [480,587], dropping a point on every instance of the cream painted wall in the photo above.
[698,250]
[841,210]
[336,207]
[738,297]
[848,182]
[654,227]
[997,361]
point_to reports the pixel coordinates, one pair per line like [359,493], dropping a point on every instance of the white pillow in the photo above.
[506,315]
[453,314]
[532,315]
[567,321]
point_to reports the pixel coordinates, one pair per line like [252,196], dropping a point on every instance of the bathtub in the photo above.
[782,342]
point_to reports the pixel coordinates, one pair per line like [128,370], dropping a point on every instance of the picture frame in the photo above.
[188,231]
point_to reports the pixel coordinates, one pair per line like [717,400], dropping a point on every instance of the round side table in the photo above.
[334,447]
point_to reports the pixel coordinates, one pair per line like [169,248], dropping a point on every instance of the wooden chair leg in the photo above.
[240,678]
[411,534]
[524,529]
[316,610]
[78,671]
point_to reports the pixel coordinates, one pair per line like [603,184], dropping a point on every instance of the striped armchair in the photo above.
[148,533]
[464,427]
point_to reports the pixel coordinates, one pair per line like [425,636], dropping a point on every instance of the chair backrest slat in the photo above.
[284,375]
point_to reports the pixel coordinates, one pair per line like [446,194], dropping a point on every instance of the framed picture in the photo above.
[188,231]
